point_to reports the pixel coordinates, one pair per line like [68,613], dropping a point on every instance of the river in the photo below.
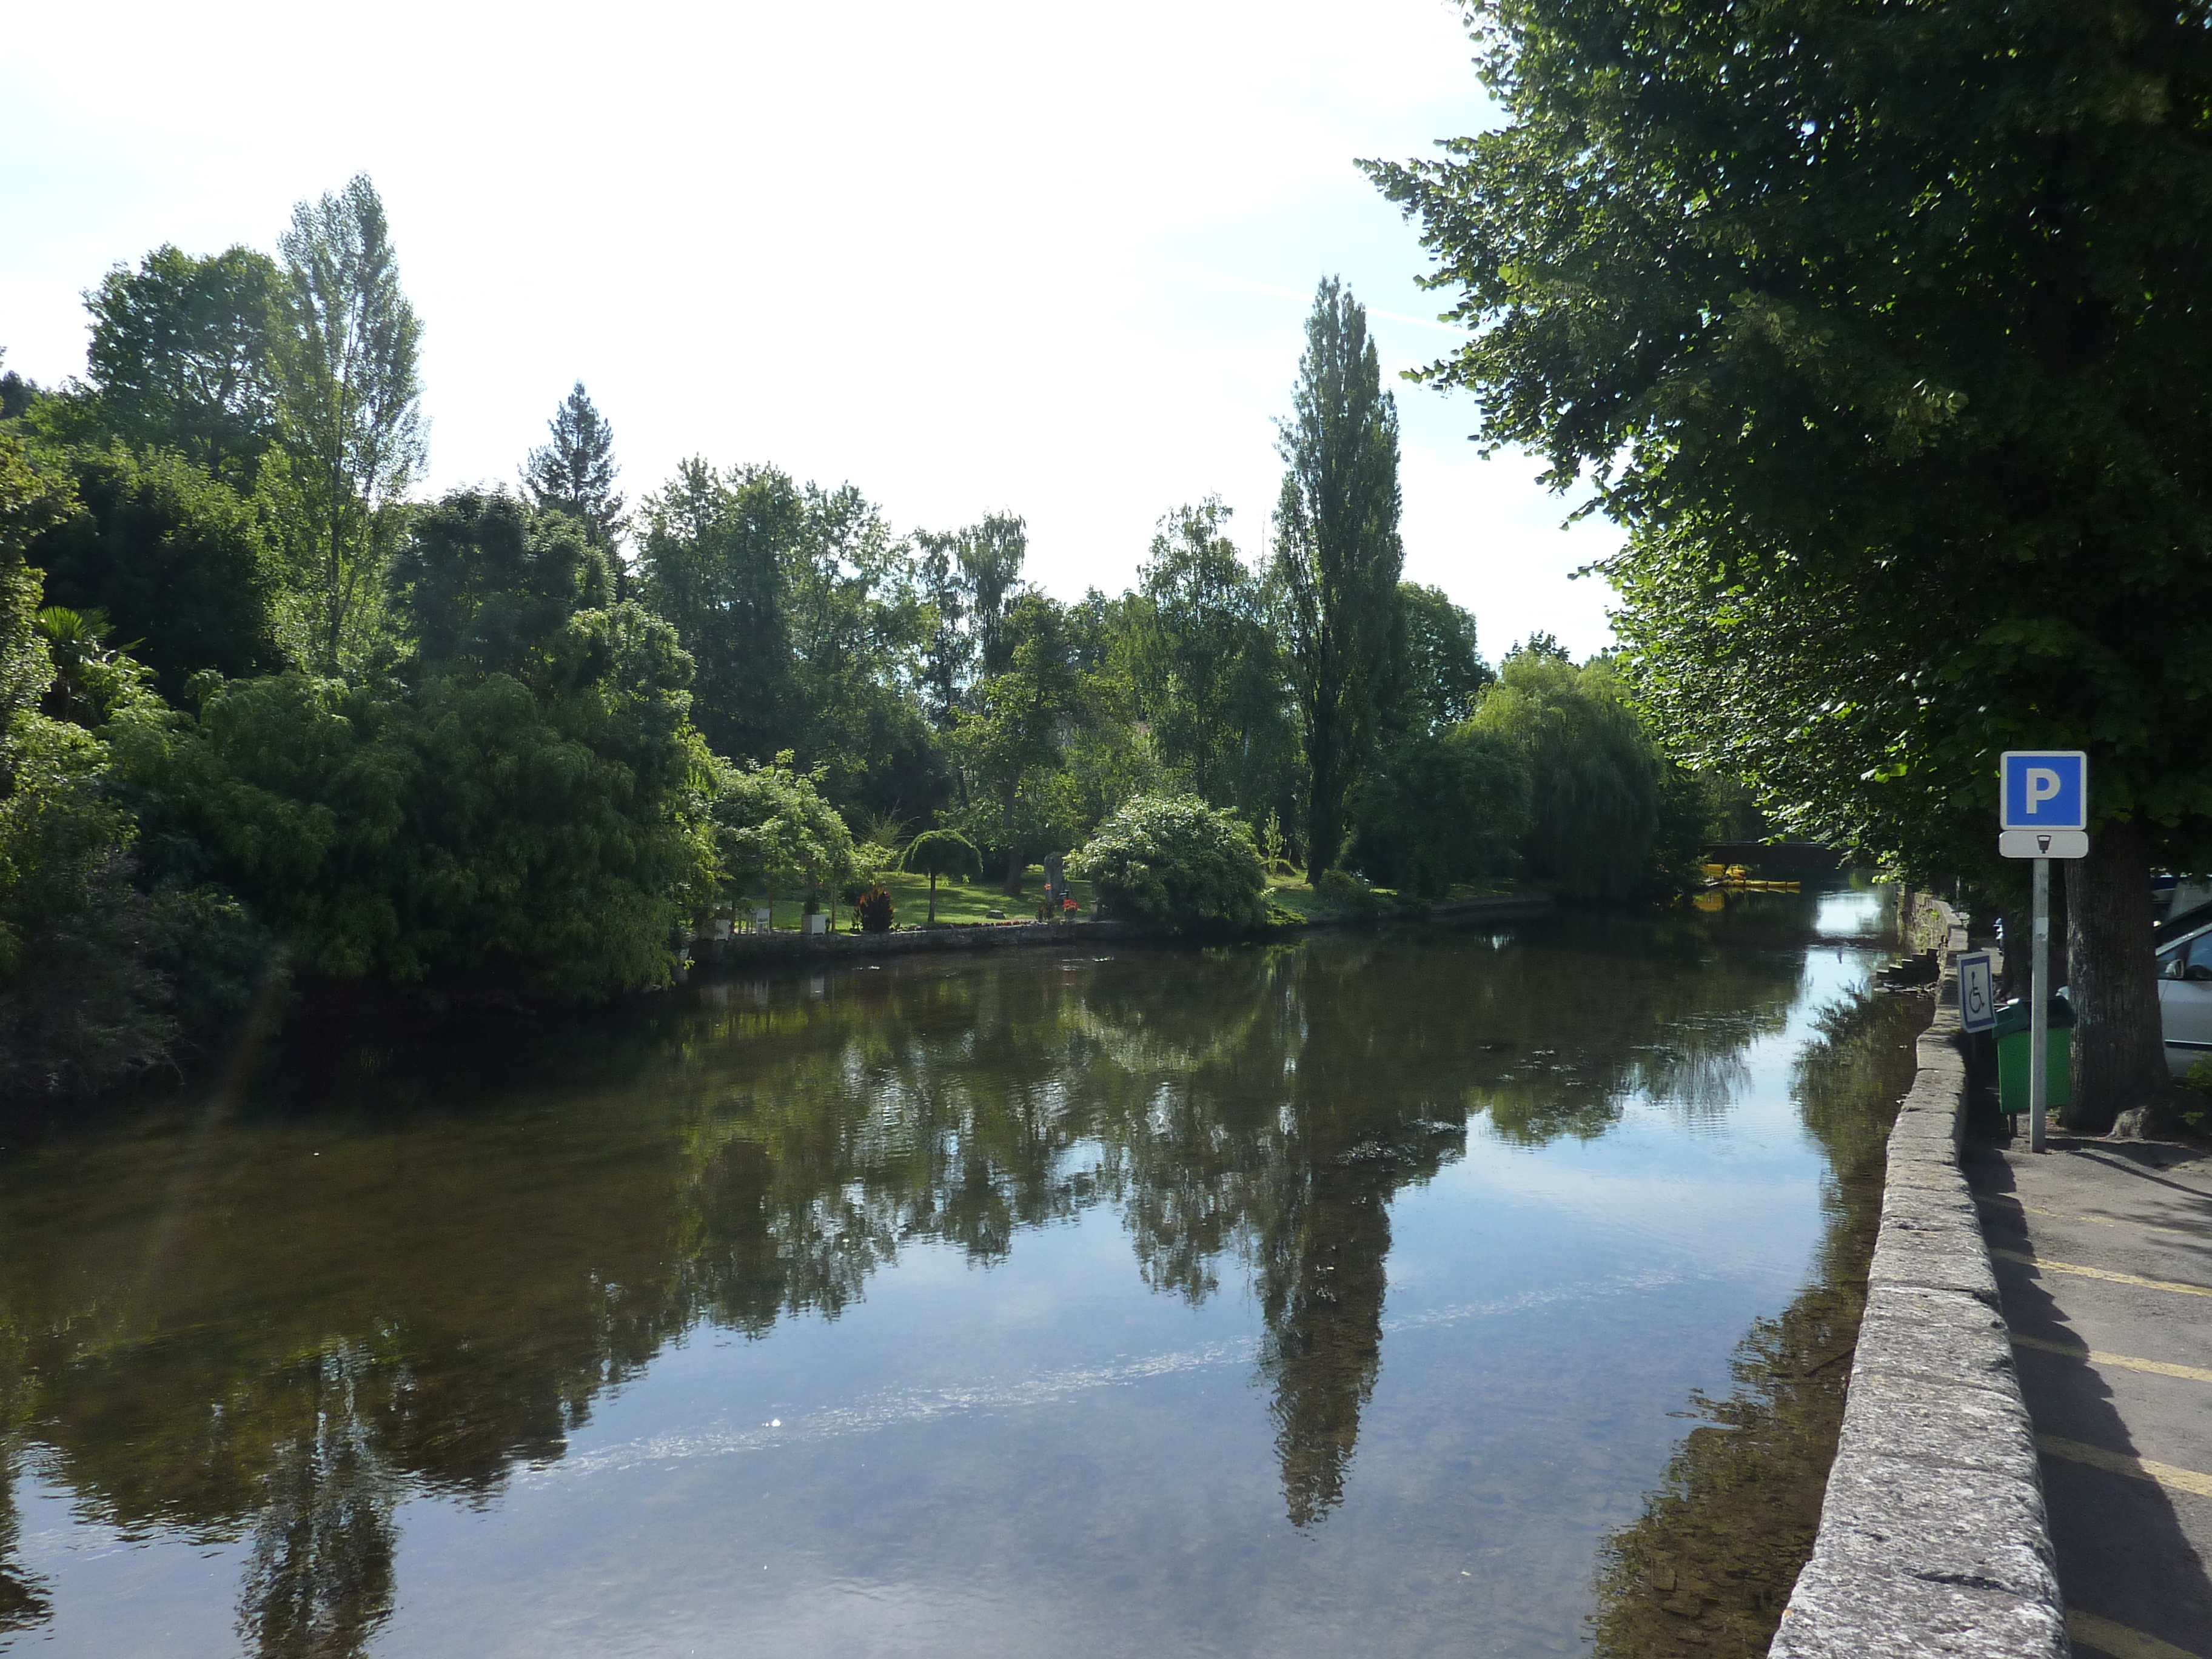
[1364,1295]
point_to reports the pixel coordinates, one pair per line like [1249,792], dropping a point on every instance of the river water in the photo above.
[1348,1296]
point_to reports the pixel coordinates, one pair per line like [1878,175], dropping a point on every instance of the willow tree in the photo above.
[1337,558]
[1887,332]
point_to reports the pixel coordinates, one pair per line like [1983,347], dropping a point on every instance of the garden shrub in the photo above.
[1174,860]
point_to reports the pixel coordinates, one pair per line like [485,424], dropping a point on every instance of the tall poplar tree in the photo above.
[1338,557]
[351,413]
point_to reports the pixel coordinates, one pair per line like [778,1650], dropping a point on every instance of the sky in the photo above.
[967,257]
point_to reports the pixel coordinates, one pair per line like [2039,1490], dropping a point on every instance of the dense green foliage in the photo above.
[277,730]
[1174,860]
[520,809]
[1206,668]
[1445,808]
[180,357]
[1593,801]
[177,561]
[799,606]
[1887,331]
[83,997]
[773,829]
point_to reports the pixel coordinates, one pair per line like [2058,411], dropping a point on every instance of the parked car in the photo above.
[2185,997]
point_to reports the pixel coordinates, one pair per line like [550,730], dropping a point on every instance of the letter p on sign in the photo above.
[2045,789]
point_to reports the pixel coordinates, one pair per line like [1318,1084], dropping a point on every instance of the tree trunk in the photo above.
[1324,821]
[933,898]
[2119,1054]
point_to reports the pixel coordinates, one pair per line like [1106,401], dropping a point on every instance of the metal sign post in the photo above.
[2043,813]
[2039,1013]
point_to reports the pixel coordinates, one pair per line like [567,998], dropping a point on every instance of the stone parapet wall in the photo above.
[1932,1537]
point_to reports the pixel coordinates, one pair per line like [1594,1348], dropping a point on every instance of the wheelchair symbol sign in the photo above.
[1977,1001]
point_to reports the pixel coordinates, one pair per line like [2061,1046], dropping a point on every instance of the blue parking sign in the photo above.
[2045,789]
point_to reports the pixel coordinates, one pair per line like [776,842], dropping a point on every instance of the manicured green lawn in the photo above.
[968,904]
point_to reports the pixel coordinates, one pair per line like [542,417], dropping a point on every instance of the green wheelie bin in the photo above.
[2013,1042]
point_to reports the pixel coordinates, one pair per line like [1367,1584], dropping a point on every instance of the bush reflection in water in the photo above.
[251,1321]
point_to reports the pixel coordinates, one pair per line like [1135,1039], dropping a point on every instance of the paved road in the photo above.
[2104,1254]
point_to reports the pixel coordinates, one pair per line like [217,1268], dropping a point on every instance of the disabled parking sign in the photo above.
[1978,998]
[2042,803]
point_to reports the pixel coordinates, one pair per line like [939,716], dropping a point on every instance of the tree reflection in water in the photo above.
[1706,1570]
[430,1278]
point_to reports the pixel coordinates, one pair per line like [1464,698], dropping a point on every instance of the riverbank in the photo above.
[1934,1538]
[741,949]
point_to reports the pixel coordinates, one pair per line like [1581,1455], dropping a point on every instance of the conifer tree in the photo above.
[575,472]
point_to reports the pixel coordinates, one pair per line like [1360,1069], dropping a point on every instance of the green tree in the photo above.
[991,554]
[81,1003]
[1208,677]
[1441,673]
[711,561]
[575,472]
[17,393]
[486,585]
[181,357]
[1887,334]
[1594,773]
[1011,743]
[1176,862]
[351,416]
[809,626]
[522,811]
[178,562]
[945,852]
[772,828]
[948,651]
[1338,557]
[1441,808]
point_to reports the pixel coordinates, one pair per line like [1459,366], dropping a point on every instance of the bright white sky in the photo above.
[969,256]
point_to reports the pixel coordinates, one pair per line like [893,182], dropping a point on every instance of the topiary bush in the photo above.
[1174,860]
[945,852]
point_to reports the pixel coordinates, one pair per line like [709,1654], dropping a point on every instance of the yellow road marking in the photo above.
[2099,1220]
[2135,1469]
[2125,1361]
[2118,1640]
[2106,1274]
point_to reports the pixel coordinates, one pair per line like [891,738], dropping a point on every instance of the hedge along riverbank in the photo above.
[1934,1539]
[741,948]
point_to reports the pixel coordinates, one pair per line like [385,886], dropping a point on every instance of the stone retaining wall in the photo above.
[1933,1538]
[742,948]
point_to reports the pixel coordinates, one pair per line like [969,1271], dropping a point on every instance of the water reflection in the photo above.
[1704,1573]
[433,1277]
